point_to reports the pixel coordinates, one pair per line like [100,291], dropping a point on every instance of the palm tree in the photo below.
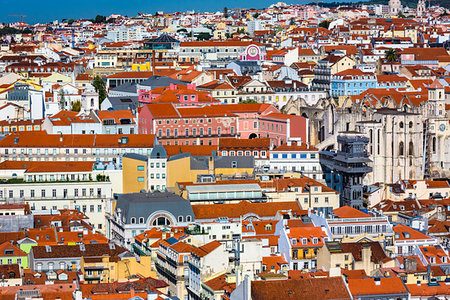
[391,56]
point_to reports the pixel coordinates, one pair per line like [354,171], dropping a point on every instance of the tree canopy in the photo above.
[100,88]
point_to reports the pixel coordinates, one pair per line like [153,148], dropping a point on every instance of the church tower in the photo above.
[395,7]
[421,8]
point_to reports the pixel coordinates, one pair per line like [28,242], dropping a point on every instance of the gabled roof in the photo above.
[236,210]
[367,286]
[349,212]
[407,233]
[310,288]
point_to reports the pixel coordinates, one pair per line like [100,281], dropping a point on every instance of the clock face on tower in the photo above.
[442,127]
[253,51]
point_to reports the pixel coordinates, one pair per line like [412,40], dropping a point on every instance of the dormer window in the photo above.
[304,241]
[294,241]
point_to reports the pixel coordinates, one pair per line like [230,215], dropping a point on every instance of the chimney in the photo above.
[211,165]
[366,253]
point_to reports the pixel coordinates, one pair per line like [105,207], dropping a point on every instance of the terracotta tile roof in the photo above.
[182,247]
[84,77]
[10,271]
[66,118]
[403,231]
[295,147]
[288,184]
[21,122]
[367,286]
[115,115]
[66,251]
[47,291]
[296,234]
[274,262]
[436,253]
[220,283]
[216,85]
[378,254]
[42,139]
[425,53]
[235,144]
[15,251]
[311,288]
[218,43]
[349,212]
[424,291]
[131,74]
[36,278]
[353,274]
[206,249]
[236,210]
[194,150]
[115,289]
[48,166]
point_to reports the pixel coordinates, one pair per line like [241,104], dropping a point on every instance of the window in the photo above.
[133,220]
[234,164]
[140,179]
[140,168]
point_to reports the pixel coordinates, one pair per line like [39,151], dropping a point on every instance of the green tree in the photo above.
[100,88]
[203,36]
[391,56]
[325,24]
[70,22]
[225,12]
[256,15]
[76,106]
[248,101]
[99,19]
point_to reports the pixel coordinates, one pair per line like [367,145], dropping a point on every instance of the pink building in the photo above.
[204,125]
[187,125]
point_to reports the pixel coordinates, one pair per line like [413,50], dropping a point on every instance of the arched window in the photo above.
[133,220]
[180,218]
[401,147]
[410,124]
[401,124]
[141,220]
[188,218]
[161,221]
[411,148]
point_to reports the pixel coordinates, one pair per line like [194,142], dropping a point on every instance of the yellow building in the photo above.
[135,173]
[367,256]
[107,269]
[54,78]
[187,168]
